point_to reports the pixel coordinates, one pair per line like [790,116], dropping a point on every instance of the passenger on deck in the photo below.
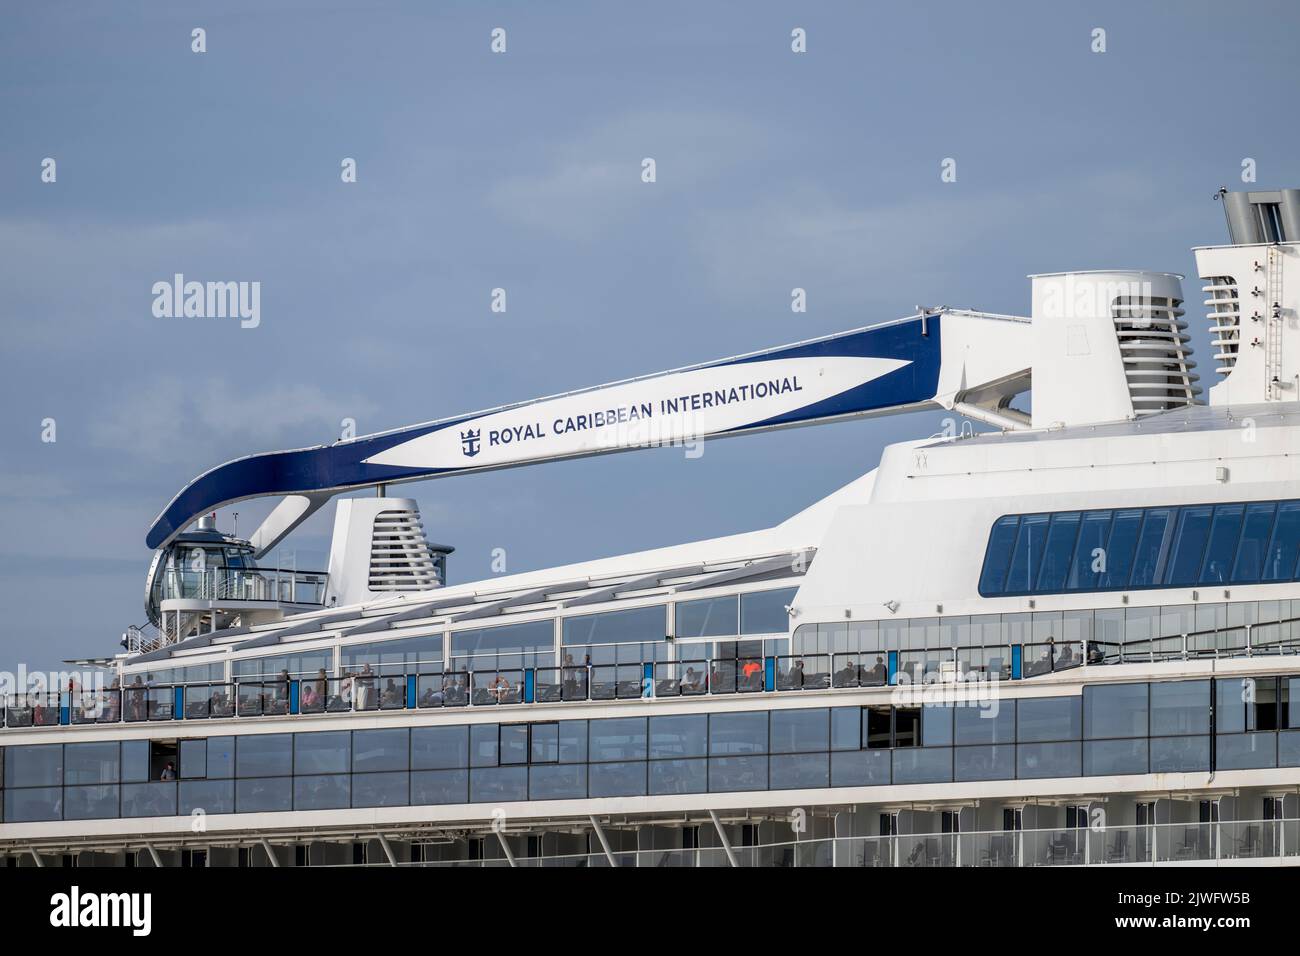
[847,676]
[879,674]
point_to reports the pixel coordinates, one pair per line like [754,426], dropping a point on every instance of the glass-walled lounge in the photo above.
[1110,729]
[1141,548]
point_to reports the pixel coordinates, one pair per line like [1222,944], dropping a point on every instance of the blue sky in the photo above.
[522,171]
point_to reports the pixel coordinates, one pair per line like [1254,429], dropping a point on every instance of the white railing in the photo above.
[1262,842]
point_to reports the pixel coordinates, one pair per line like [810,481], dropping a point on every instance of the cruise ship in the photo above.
[1063,632]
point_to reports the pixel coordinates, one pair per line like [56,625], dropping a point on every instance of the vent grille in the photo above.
[400,559]
[1153,347]
[1224,304]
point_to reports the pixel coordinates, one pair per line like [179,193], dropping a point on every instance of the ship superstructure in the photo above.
[1068,638]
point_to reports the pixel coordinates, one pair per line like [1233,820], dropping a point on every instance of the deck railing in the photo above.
[792,673]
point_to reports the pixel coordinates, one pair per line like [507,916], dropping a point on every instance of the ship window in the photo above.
[635,625]
[618,738]
[1089,552]
[1048,718]
[439,748]
[1189,545]
[1224,533]
[1254,543]
[263,755]
[320,753]
[998,555]
[1180,707]
[483,741]
[544,746]
[711,617]
[1058,551]
[1115,710]
[1028,553]
[1280,562]
[1121,548]
[1151,548]
[1142,548]
[799,731]
[514,743]
[764,612]
[738,733]
[682,736]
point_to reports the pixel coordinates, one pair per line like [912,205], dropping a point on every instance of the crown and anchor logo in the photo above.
[469,442]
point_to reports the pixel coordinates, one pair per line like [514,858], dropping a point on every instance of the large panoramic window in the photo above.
[1135,548]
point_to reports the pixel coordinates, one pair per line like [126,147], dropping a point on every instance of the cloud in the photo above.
[175,419]
[594,180]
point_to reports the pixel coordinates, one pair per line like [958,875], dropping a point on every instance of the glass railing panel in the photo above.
[489,688]
[95,707]
[604,681]
[1186,842]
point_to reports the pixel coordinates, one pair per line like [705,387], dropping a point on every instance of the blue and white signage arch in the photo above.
[851,374]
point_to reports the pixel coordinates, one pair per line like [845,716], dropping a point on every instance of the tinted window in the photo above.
[1103,757]
[1089,552]
[737,773]
[1058,551]
[1048,718]
[922,766]
[1150,556]
[984,763]
[994,724]
[846,728]
[380,750]
[332,792]
[1028,553]
[1121,548]
[1047,760]
[557,782]
[90,803]
[1251,551]
[799,771]
[321,753]
[712,617]
[678,776]
[263,795]
[439,748]
[936,726]
[1245,751]
[36,766]
[764,612]
[483,740]
[619,738]
[636,625]
[1189,545]
[998,554]
[738,733]
[1180,754]
[1117,710]
[1216,566]
[1180,707]
[439,786]
[490,784]
[860,768]
[221,757]
[514,743]
[33,804]
[264,755]
[620,779]
[380,789]
[91,763]
[683,736]
[1280,561]
[796,731]
[210,796]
